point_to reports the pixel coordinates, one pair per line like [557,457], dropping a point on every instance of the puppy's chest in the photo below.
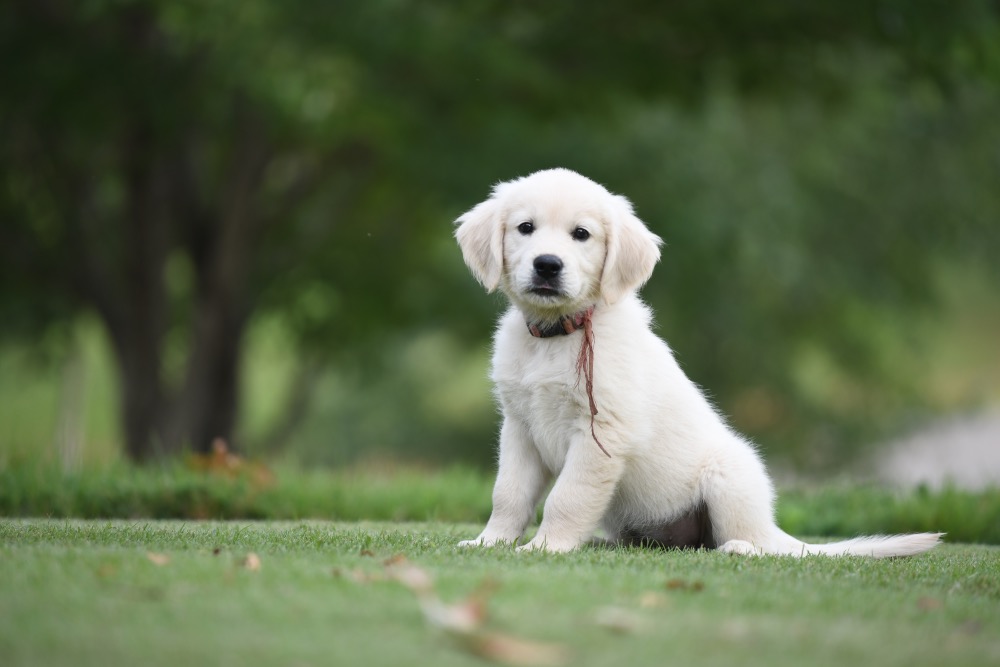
[544,394]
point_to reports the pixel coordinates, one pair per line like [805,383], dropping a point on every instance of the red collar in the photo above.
[564,326]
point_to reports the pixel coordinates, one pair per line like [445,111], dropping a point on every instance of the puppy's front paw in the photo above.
[483,541]
[541,543]
[739,547]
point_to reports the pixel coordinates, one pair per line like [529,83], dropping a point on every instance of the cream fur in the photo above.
[670,450]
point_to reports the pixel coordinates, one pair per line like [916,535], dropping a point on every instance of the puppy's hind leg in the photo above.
[740,499]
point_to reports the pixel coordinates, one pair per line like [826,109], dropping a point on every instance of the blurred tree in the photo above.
[142,171]
[180,167]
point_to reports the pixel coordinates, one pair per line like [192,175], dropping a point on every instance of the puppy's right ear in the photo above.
[480,235]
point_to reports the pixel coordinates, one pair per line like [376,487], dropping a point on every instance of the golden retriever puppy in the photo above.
[594,400]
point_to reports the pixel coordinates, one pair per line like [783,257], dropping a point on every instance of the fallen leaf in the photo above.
[368,553]
[415,578]
[462,618]
[106,570]
[511,650]
[681,585]
[463,621]
[465,616]
[929,604]
[157,559]
[360,576]
[251,562]
[481,596]
[651,600]
[618,620]
[216,551]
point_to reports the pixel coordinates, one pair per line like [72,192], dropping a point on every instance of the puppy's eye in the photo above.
[526,227]
[580,234]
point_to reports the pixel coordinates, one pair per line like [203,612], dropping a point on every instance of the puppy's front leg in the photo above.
[521,478]
[579,498]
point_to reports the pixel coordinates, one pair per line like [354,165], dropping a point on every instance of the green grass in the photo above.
[86,593]
[373,492]
[397,493]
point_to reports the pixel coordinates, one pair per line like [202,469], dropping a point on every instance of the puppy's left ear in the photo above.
[480,236]
[632,252]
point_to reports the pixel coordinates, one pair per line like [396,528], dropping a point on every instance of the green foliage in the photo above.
[88,593]
[189,171]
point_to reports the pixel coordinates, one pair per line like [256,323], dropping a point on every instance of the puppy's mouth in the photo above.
[545,289]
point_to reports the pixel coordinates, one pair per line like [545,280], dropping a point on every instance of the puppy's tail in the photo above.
[876,546]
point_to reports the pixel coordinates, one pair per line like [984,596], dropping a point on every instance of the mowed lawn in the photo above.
[76,592]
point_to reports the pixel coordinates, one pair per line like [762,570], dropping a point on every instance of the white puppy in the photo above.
[594,399]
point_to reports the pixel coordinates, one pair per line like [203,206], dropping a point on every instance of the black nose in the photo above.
[548,266]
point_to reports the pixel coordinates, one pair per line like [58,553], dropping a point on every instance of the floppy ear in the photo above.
[632,252]
[480,235]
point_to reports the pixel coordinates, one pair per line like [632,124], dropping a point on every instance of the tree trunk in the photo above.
[159,420]
[205,407]
[144,325]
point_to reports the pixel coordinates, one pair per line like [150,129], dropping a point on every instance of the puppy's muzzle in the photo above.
[545,281]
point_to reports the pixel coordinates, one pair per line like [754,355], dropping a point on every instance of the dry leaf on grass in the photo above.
[462,618]
[681,585]
[395,559]
[462,621]
[653,600]
[360,576]
[157,559]
[618,620]
[251,562]
[511,650]
[929,604]
[106,570]
[416,579]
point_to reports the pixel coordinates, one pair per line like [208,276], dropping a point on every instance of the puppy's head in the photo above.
[556,242]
